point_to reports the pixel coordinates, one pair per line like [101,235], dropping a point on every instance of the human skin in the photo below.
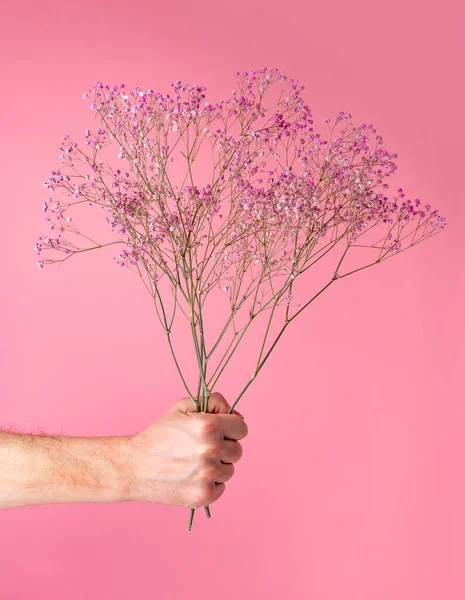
[183,459]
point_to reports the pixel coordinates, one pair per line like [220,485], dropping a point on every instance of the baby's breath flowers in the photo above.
[278,197]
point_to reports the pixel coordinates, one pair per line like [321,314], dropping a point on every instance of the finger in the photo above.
[218,490]
[236,412]
[225,473]
[217,404]
[232,451]
[234,428]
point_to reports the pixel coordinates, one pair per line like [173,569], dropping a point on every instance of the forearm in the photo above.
[182,459]
[45,469]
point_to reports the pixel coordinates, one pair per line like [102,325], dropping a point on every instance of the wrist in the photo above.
[118,482]
[125,455]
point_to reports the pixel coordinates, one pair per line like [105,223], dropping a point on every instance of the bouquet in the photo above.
[226,206]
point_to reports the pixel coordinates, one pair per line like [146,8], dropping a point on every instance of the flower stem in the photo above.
[200,406]
[191,518]
[206,394]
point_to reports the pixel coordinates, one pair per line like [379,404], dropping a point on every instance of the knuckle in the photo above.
[182,404]
[239,451]
[209,451]
[206,426]
[207,472]
[195,498]
[220,489]
[202,494]
[229,472]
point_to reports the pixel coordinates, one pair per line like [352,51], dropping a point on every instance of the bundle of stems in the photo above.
[279,198]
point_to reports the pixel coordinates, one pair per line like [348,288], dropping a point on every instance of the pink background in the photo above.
[351,486]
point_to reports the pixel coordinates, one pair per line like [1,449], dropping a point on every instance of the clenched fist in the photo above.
[184,458]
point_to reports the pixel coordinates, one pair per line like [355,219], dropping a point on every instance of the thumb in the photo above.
[218,404]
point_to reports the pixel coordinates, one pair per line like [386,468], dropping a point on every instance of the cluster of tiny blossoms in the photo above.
[281,196]
[278,188]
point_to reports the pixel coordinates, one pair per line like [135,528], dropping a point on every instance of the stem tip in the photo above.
[191,518]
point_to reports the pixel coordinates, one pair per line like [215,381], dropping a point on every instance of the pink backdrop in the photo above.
[351,484]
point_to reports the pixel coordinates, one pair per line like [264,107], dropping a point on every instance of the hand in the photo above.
[185,457]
